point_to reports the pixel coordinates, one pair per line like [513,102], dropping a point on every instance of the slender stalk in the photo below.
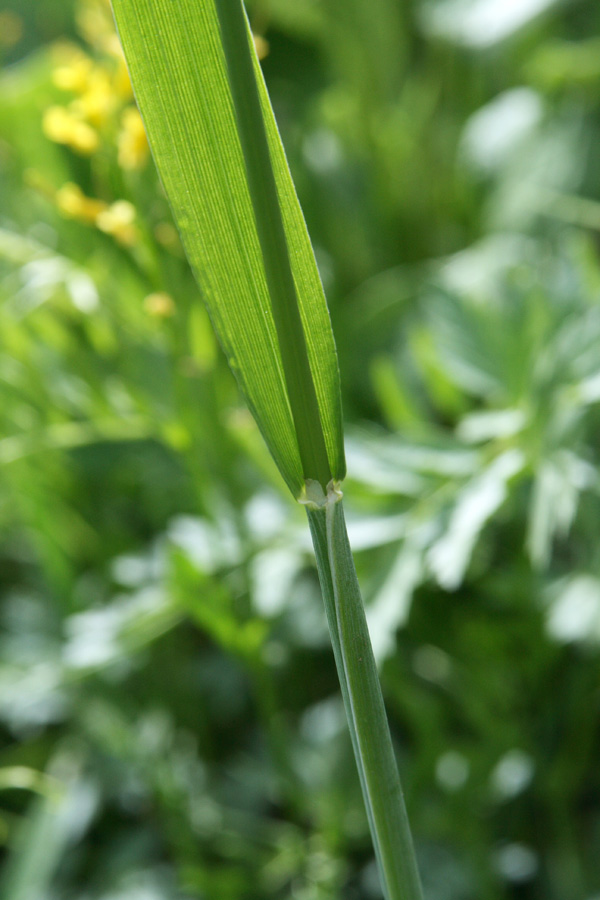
[235,35]
[363,700]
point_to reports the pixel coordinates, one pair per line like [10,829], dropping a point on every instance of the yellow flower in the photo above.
[132,142]
[261,45]
[160,305]
[63,127]
[119,221]
[74,74]
[98,102]
[72,202]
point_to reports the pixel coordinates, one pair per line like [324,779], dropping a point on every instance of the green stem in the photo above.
[236,37]
[363,700]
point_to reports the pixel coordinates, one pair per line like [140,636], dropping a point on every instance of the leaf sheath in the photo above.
[363,700]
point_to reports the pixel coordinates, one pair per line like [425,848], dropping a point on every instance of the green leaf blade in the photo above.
[179,72]
[314,314]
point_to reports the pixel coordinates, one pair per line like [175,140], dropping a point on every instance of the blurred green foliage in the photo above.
[170,725]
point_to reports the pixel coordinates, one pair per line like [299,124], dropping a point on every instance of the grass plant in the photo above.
[171,724]
[218,151]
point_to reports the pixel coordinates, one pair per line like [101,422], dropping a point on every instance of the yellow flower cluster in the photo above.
[116,219]
[72,202]
[132,142]
[63,127]
[119,220]
[101,110]
[99,115]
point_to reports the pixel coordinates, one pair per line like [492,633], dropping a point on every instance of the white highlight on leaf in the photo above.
[452,770]
[516,862]
[432,663]
[513,773]
[558,483]
[391,605]
[322,151]
[574,612]
[482,496]
[498,129]
[490,425]
[272,573]
[482,23]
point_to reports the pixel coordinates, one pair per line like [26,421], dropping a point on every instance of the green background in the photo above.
[170,721]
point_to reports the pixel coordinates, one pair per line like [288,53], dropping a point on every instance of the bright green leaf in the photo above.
[182,81]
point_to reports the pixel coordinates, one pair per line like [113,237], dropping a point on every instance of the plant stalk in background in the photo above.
[216,145]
